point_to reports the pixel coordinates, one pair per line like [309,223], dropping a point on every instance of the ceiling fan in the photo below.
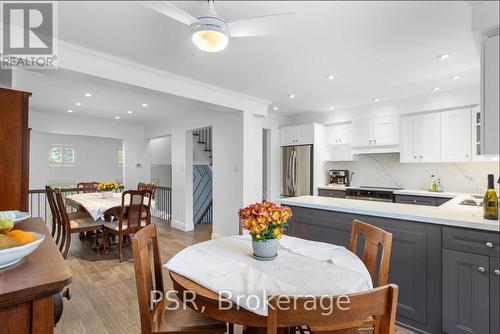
[211,33]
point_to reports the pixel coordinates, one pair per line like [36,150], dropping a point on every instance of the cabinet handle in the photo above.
[489,245]
[340,140]
[481,269]
[374,142]
[414,201]
[415,157]
[421,157]
[497,272]
[466,155]
[370,141]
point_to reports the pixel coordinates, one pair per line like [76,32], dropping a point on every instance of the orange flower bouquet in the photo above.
[266,223]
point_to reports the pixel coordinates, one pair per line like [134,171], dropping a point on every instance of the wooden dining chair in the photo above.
[86,187]
[376,240]
[73,223]
[155,318]
[57,228]
[379,303]
[135,213]
[147,186]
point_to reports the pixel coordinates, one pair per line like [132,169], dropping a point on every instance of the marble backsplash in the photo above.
[385,170]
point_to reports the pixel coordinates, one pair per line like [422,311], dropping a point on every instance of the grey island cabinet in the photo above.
[448,276]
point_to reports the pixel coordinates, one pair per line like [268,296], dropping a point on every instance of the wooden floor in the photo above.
[103,291]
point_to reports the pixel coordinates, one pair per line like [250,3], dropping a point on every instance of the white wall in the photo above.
[95,159]
[136,166]
[160,150]
[227,129]
[385,170]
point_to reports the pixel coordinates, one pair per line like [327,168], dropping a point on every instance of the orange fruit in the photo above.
[21,237]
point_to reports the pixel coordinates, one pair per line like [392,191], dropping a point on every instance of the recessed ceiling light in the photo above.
[376,99]
[329,77]
[145,105]
[275,108]
[435,89]
[331,108]
[442,56]
[69,110]
[130,112]
[117,117]
[78,104]
[88,94]
[292,96]
[456,77]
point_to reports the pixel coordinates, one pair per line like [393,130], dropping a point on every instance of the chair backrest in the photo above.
[49,193]
[136,210]
[147,186]
[149,280]
[61,208]
[374,239]
[334,313]
[86,187]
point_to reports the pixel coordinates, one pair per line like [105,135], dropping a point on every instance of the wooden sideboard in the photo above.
[30,289]
[14,149]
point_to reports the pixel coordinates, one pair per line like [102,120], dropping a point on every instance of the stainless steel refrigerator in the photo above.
[296,170]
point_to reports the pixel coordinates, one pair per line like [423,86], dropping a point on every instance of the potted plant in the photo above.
[107,189]
[266,223]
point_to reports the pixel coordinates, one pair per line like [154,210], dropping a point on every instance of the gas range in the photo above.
[367,193]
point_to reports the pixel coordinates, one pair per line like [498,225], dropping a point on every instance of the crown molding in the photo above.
[80,59]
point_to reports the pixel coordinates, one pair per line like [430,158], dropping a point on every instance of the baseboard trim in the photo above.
[177,224]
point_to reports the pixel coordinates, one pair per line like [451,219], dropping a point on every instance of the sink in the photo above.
[472,201]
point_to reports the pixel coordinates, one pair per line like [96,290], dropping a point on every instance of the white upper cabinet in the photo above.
[420,139]
[338,134]
[297,135]
[361,133]
[489,94]
[376,135]
[456,136]
[430,137]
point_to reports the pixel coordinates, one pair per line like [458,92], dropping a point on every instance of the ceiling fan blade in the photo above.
[166,8]
[260,26]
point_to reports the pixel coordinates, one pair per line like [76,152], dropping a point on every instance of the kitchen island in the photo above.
[445,259]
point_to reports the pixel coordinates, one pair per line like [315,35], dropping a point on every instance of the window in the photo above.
[119,158]
[61,155]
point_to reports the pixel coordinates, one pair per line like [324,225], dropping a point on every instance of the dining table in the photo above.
[222,279]
[97,206]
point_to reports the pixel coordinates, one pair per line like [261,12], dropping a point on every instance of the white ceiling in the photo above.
[57,91]
[383,49]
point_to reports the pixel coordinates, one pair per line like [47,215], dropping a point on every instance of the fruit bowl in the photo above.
[13,255]
[15,215]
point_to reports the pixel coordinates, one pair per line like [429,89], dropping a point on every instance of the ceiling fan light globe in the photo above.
[211,34]
[210,40]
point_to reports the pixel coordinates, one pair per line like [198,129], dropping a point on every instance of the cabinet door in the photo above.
[361,133]
[333,135]
[385,131]
[490,100]
[456,137]
[305,134]
[466,307]
[494,295]
[345,133]
[430,137]
[409,139]
[289,136]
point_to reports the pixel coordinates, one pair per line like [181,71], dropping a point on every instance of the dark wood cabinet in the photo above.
[494,295]
[466,293]
[420,200]
[14,149]
[415,259]
[331,193]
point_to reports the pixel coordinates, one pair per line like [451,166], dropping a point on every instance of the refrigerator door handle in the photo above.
[294,172]
[287,177]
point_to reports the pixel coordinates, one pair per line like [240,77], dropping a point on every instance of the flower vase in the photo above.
[266,249]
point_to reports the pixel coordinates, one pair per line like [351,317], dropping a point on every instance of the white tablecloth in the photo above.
[96,206]
[302,267]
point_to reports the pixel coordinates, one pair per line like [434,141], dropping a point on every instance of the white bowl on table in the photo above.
[15,215]
[13,255]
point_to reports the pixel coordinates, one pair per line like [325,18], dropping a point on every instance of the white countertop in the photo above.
[450,213]
[409,192]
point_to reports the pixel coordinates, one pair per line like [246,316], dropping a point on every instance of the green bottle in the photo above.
[490,201]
